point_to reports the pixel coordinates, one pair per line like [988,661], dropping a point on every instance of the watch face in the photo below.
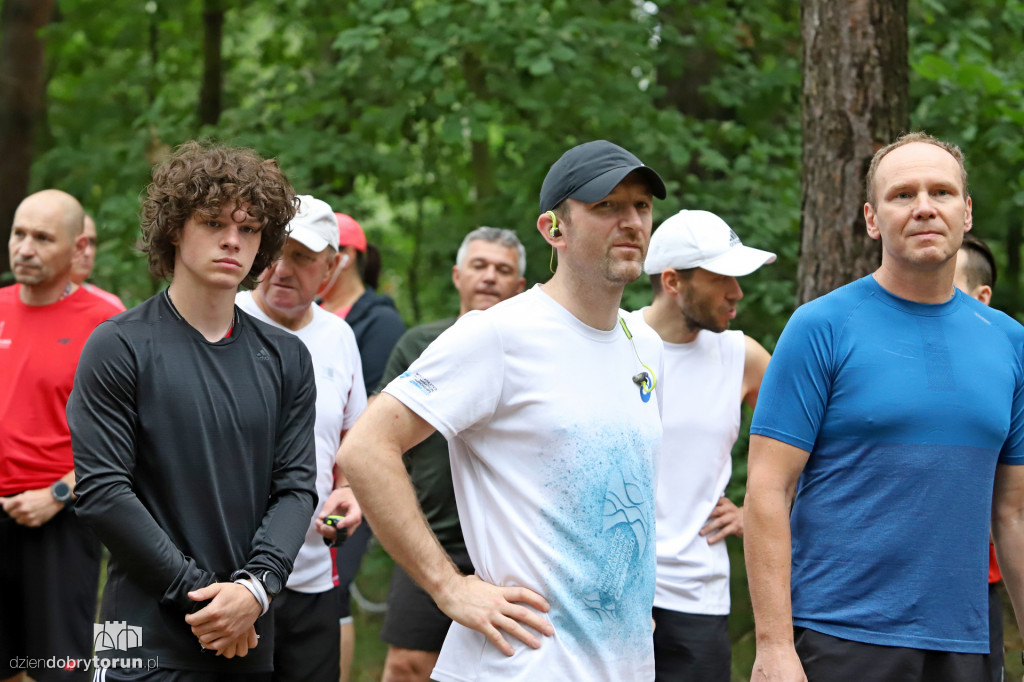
[61,491]
[271,583]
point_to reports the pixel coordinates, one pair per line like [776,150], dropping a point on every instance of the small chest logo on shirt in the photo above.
[64,341]
[262,354]
[420,382]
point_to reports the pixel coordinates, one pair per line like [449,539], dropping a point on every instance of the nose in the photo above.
[735,290]
[923,208]
[230,238]
[631,217]
[491,273]
[282,267]
[24,248]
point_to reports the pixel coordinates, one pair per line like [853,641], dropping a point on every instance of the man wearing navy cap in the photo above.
[546,402]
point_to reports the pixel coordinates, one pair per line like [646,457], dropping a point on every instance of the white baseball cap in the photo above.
[700,239]
[314,225]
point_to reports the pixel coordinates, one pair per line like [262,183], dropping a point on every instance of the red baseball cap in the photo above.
[350,233]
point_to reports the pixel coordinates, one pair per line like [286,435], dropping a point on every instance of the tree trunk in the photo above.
[213,75]
[22,103]
[855,101]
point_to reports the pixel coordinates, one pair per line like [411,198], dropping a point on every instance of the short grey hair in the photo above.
[495,235]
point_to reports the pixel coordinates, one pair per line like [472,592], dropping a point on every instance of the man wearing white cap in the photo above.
[306,645]
[693,261]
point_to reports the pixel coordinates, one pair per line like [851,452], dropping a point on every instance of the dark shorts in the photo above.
[831,659]
[160,675]
[49,577]
[349,558]
[690,647]
[413,620]
[995,633]
[306,636]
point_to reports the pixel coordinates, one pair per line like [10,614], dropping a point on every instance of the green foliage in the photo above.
[426,118]
[970,89]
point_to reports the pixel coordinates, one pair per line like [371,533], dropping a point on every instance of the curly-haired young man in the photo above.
[192,430]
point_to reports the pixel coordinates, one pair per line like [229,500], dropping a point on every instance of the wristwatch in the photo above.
[268,579]
[271,583]
[61,492]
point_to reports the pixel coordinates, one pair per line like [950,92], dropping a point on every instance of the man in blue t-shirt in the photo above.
[880,417]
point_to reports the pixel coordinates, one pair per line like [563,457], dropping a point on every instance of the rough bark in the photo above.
[213,71]
[22,102]
[855,100]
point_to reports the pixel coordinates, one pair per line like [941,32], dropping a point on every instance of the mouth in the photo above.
[229,262]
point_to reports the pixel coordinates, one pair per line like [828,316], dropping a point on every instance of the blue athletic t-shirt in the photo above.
[905,408]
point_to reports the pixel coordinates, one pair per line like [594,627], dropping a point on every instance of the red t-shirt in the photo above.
[39,350]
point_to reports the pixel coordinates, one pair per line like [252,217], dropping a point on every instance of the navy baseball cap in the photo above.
[590,171]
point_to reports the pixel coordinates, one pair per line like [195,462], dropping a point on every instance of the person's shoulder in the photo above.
[8,294]
[993,317]
[428,330]
[97,306]
[635,317]
[331,324]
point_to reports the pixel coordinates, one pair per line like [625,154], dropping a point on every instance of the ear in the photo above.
[81,243]
[670,282]
[984,294]
[871,221]
[544,224]
[969,216]
[332,268]
[521,285]
[455,276]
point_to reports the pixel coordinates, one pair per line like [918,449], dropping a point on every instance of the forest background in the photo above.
[426,118]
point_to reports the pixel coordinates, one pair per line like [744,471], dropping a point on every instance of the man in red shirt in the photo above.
[49,562]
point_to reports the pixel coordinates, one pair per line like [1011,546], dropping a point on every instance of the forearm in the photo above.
[282,532]
[388,500]
[138,543]
[767,548]
[1008,534]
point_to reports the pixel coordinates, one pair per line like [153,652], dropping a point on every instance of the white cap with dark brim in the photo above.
[314,225]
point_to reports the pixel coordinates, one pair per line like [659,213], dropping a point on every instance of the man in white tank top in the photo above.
[693,261]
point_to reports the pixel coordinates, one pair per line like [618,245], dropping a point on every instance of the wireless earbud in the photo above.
[344,261]
[554,231]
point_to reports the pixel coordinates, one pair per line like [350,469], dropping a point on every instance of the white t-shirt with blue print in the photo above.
[553,447]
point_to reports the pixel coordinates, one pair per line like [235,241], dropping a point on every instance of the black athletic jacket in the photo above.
[378,326]
[194,459]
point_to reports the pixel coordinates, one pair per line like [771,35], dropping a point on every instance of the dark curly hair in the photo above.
[197,179]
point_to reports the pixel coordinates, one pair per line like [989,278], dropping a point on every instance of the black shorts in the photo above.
[413,620]
[995,633]
[832,659]
[348,559]
[306,636]
[49,577]
[691,647]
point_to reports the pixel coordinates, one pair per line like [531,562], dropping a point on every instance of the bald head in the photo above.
[60,208]
[45,237]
